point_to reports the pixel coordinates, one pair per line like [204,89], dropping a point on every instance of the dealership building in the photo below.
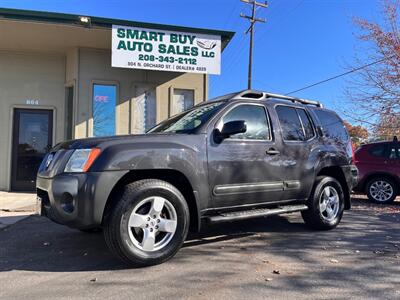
[68,76]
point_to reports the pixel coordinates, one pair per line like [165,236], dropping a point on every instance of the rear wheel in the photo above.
[326,204]
[149,224]
[381,190]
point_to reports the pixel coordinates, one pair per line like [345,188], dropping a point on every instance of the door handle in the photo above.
[272,151]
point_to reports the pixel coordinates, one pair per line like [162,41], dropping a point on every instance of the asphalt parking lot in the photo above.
[276,257]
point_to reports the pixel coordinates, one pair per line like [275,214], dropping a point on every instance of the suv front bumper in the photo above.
[76,199]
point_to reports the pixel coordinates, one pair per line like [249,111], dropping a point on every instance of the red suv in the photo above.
[379,170]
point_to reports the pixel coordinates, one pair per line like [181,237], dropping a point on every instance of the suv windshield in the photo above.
[188,121]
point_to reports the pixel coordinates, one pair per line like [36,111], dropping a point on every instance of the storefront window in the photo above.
[144,110]
[182,100]
[104,102]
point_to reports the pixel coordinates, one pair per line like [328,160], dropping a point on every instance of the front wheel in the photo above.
[326,204]
[149,224]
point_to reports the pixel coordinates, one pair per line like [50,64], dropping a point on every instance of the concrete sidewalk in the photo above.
[15,207]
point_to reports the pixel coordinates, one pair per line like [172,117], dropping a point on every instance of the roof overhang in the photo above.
[36,30]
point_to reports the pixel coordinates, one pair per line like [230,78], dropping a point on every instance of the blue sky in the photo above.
[302,42]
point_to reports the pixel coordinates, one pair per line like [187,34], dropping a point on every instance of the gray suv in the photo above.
[243,155]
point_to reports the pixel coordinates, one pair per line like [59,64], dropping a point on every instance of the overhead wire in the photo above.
[339,75]
[231,23]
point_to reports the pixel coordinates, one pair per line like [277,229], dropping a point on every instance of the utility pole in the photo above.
[253,20]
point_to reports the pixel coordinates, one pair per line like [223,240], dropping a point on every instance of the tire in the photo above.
[91,230]
[141,231]
[381,190]
[327,192]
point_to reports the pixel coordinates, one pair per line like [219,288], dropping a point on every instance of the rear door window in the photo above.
[332,126]
[295,123]
[378,150]
[307,125]
[290,123]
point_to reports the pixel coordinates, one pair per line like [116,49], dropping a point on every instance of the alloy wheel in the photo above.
[329,203]
[381,190]
[152,224]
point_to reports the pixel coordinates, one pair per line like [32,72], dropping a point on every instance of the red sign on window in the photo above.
[102,99]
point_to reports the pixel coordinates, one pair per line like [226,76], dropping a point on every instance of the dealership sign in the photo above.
[142,48]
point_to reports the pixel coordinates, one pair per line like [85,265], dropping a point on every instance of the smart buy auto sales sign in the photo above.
[142,48]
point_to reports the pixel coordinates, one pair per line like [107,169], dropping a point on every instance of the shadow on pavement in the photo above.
[36,244]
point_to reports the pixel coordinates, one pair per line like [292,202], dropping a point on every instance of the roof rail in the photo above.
[258,95]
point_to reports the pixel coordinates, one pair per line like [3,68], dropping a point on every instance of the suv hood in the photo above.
[103,142]
[121,152]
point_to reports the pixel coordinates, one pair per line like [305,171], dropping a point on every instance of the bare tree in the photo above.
[102,121]
[374,91]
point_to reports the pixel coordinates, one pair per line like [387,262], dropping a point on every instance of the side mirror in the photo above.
[229,129]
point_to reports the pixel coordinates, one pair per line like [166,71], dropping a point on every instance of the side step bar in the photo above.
[255,213]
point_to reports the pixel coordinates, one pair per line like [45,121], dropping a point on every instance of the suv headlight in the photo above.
[81,160]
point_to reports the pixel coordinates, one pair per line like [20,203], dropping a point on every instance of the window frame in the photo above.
[301,122]
[230,108]
[73,109]
[90,129]
[171,89]
[171,102]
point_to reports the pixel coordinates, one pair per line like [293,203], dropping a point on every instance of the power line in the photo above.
[253,20]
[281,18]
[235,53]
[232,20]
[340,75]
[230,56]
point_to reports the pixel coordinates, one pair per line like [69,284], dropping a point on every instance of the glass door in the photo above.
[32,139]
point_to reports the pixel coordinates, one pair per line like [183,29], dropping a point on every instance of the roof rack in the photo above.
[258,95]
